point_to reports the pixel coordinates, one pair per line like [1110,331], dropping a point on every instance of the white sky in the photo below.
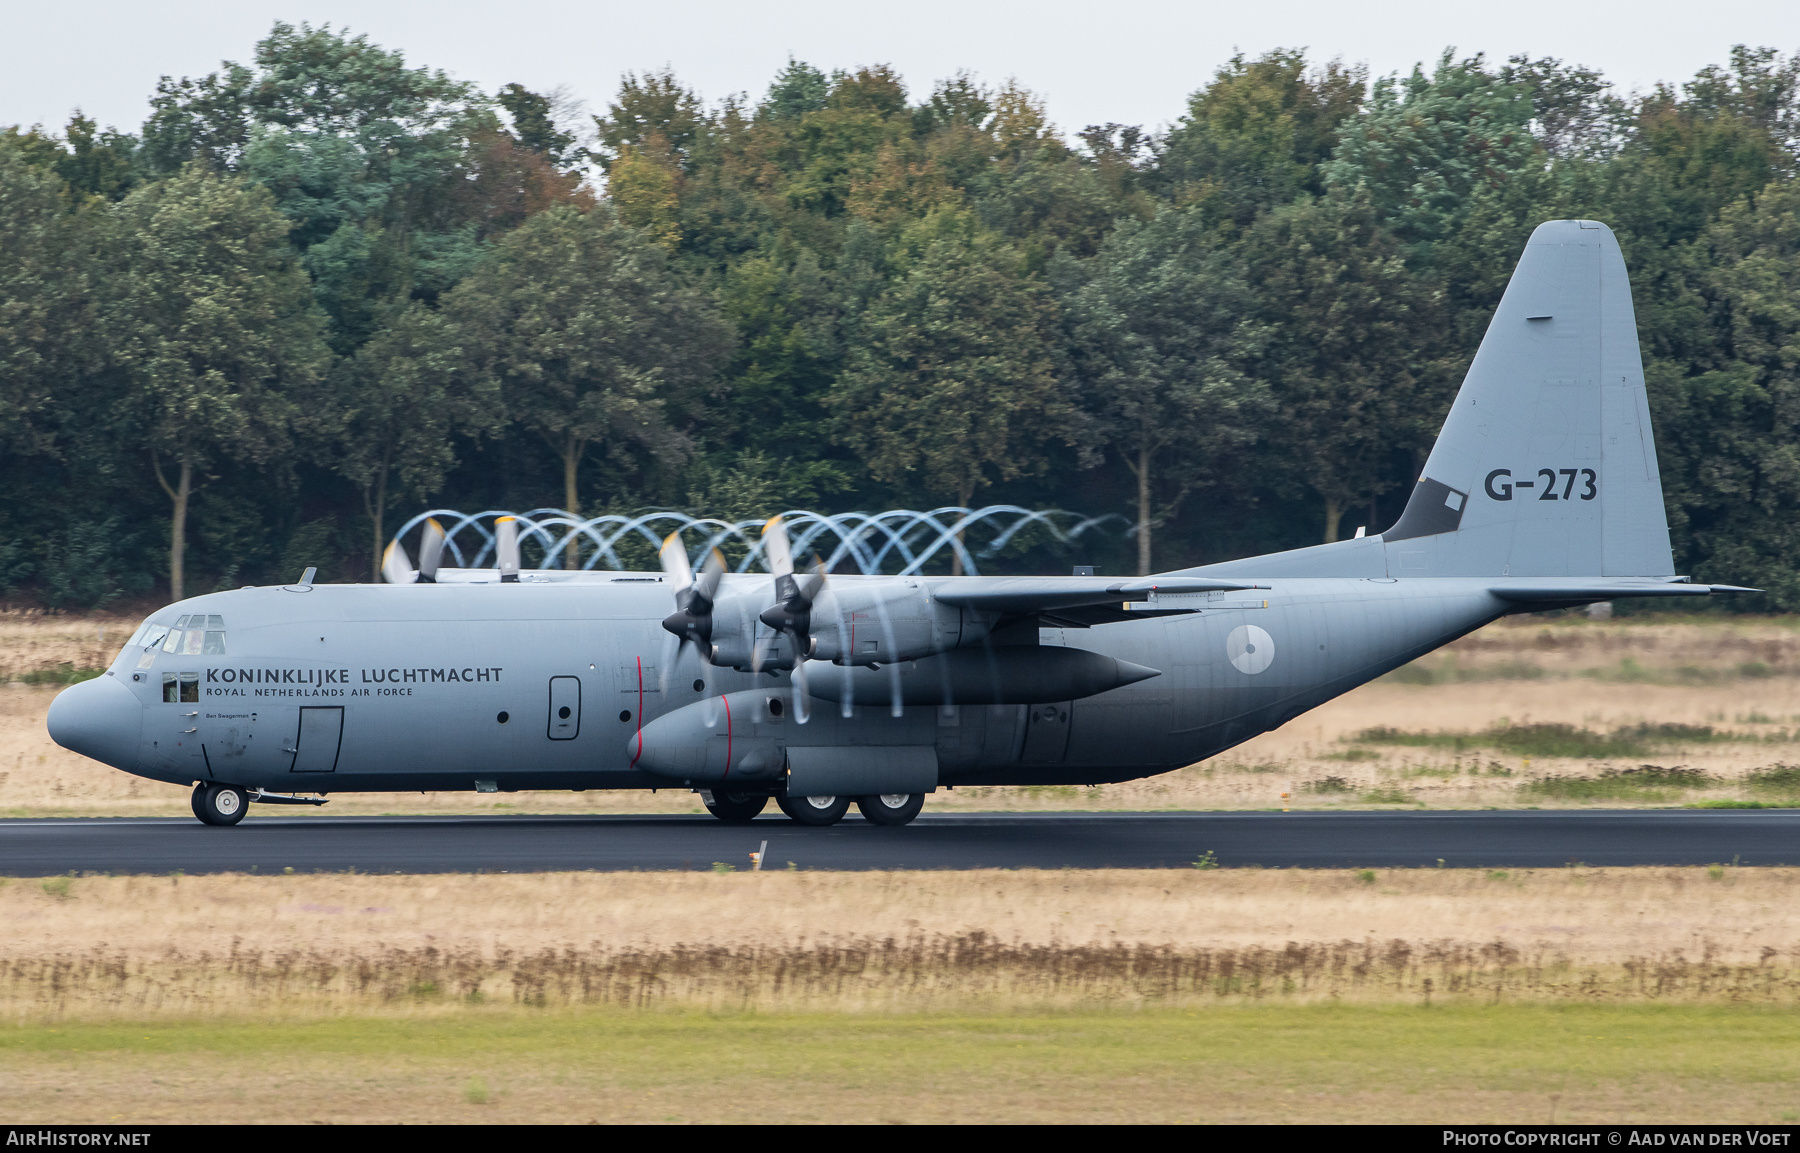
[1131,61]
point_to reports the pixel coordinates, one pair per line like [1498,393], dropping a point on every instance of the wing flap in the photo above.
[1023,595]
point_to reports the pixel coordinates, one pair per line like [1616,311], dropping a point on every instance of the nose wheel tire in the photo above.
[220,804]
[891,808]
[734,808]
[817,811]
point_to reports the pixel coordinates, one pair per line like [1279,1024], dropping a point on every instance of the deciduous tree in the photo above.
[591,339]
[215,322]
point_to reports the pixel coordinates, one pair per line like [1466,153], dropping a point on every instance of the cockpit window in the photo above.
[197,634]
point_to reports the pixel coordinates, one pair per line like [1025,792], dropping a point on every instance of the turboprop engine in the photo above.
[867,621]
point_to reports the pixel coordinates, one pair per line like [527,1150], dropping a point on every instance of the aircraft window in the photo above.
[215,643]
[193,642]
[173,644]
[170,689]
[215,621]
[190,688]
[153,635]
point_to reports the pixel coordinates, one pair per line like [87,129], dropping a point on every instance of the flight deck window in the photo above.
[200,634]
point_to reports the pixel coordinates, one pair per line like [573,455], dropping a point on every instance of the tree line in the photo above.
[325,289]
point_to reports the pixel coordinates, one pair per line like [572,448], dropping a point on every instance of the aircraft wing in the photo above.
[1075,602]
[1553,590]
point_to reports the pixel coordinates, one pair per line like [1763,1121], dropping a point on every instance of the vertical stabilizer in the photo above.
[1546,465]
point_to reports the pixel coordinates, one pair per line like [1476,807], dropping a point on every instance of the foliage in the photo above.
[327,284]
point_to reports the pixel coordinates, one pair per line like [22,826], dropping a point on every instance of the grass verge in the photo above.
[1250,1063]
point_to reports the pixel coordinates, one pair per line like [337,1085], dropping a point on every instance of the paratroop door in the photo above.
[565,708]
[1046,734]
[321,734]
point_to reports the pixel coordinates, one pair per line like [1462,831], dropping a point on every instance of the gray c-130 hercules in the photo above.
[1541,491]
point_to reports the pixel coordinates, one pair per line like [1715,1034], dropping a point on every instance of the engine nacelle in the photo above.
[881,622]
[854,622]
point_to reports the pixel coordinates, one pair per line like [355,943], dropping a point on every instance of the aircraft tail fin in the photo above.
[1546,466]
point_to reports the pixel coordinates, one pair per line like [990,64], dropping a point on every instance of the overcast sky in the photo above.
[1130,61]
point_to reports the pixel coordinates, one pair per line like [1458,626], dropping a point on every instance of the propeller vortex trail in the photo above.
[898,542]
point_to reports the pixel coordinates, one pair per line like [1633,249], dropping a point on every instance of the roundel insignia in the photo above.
[1250,649]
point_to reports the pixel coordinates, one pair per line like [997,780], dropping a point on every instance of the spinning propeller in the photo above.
[396,566]
[692,621]
[791,614]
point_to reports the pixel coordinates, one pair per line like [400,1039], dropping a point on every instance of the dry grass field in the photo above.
[1532,711]
[98,948]
[1573,995]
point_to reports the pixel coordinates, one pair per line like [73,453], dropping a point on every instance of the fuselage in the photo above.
[335,688]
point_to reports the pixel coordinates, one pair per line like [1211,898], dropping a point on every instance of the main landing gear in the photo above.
[741,808]
[733,808]
[815,810]
[219,804]
[886,809]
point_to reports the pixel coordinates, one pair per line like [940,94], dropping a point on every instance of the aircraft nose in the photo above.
[99,719]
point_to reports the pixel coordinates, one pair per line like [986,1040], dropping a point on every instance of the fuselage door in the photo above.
[565,708]
[1046,734]
[321,735]
[179,741]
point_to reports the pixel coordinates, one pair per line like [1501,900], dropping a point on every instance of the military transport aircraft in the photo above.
[818,690]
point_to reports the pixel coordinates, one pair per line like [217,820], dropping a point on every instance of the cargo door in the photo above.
[321,733]
[565,708]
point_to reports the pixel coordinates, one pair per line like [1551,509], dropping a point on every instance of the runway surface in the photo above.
[1508,839]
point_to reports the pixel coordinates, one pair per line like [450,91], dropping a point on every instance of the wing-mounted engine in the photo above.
[867,623]
[846,621]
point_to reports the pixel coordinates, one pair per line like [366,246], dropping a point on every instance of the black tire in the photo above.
[891,808]
[220,804]
[734,808]
[195,798]
[809,810]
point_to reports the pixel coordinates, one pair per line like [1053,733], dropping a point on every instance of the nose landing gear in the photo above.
[219,804]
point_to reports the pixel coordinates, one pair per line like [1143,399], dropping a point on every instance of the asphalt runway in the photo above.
[1489,839]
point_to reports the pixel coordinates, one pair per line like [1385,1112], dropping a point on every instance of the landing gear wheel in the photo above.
[818,811]
[734,808]
[891,808]
[220,804]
